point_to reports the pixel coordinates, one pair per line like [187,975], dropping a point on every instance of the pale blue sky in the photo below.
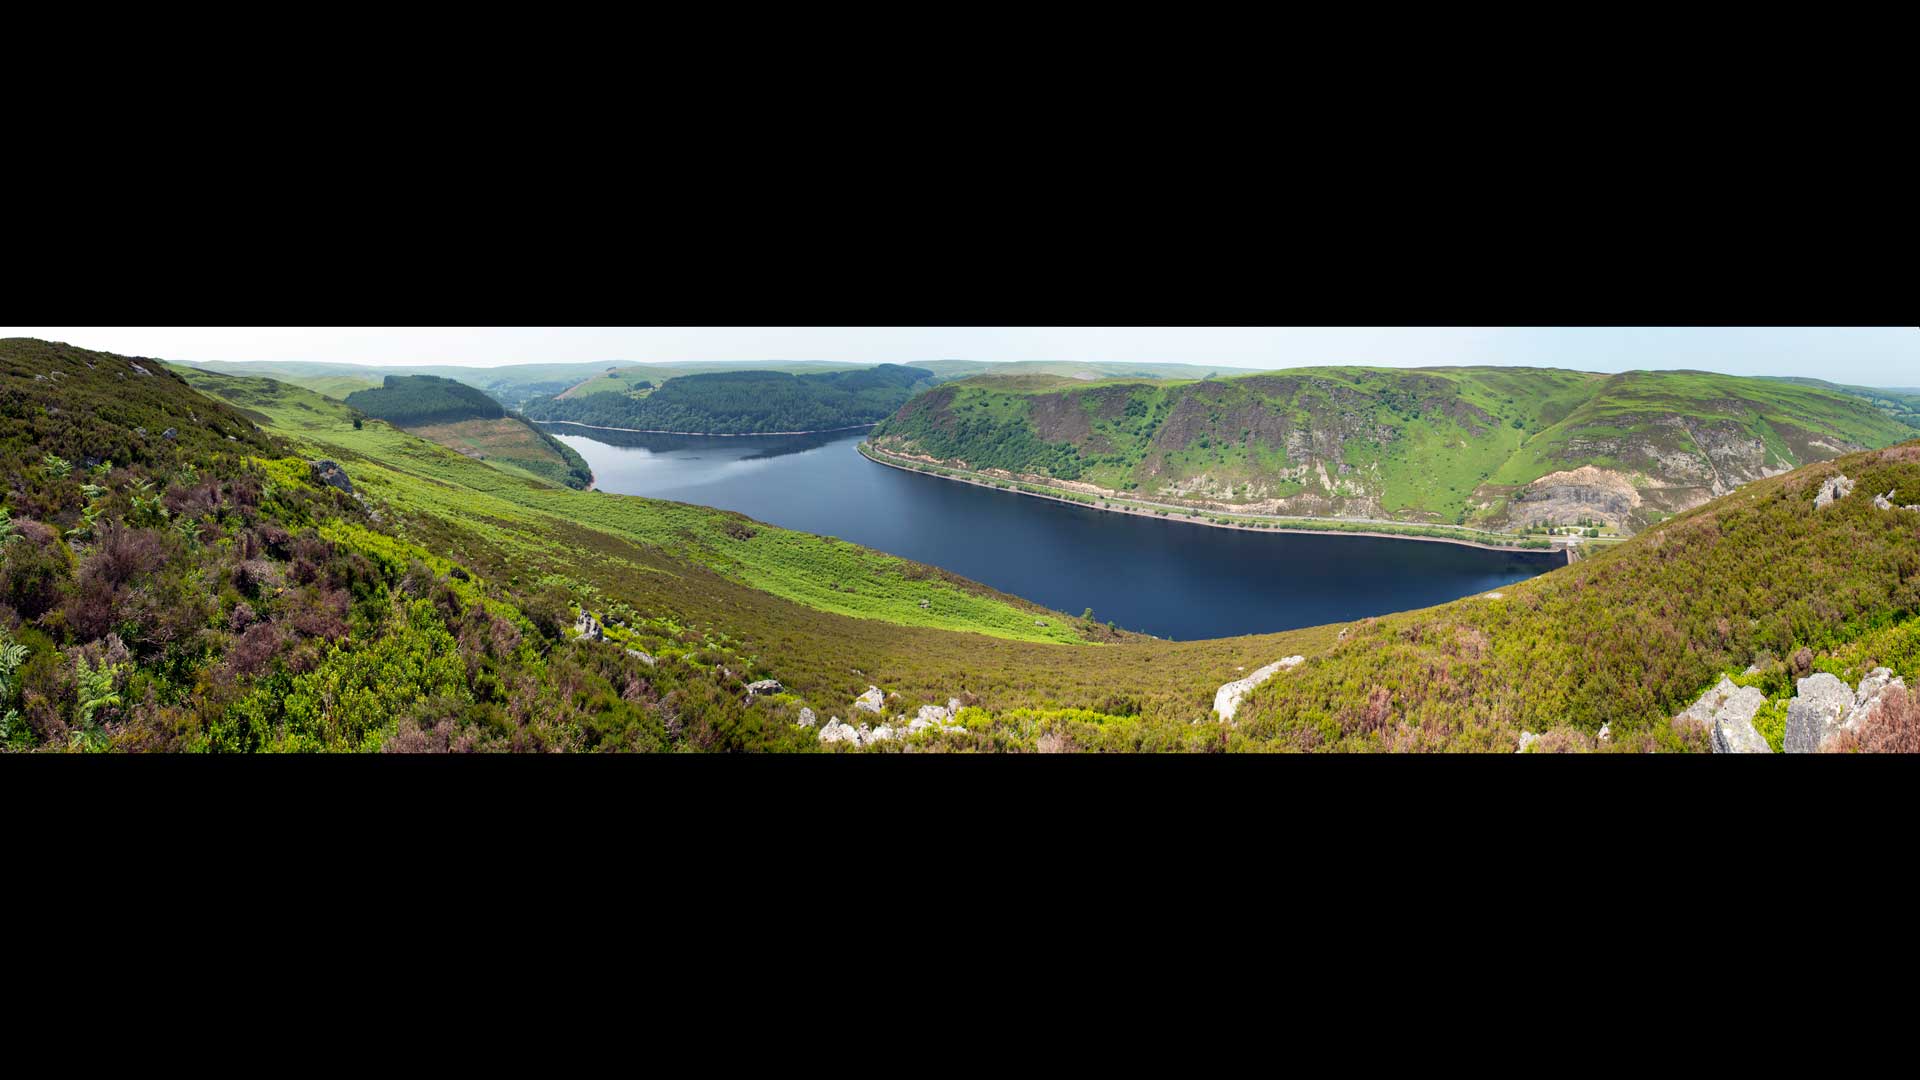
[1883,356]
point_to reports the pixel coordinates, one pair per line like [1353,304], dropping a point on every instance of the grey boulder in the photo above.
[1818,712]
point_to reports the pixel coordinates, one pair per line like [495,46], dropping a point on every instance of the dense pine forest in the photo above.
[742,402]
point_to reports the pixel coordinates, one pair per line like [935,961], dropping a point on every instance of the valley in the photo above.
[193,561]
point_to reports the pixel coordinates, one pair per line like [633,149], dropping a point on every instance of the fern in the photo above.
[57,467]
[94,690]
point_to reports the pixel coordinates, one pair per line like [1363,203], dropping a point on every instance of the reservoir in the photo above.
[1158,577]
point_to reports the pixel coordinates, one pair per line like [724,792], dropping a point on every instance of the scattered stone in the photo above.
[925,604]
[1606,733]
[1818,712]
[1527,738]
[838,730]
[763,686]
[586,626]
[872,701]
[142,370]
[1039,622]
[879,734]
[1226,701]
[640,656]
[1836,487]
[1884,502]
[170,433]
[953,706]
[332,475]
[806,717]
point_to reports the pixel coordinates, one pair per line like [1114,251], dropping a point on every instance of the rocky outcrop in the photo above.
[588,627]
[1824,708]
[764,686]
[807,717]
[1836,487]
[1819,711]
[839,731]
[1727,712]
[642,657]
[873,701]
[1226,700]
[332,475]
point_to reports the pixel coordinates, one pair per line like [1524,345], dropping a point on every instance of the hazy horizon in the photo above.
[1872,356]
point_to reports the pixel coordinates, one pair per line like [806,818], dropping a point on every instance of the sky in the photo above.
[1874,356]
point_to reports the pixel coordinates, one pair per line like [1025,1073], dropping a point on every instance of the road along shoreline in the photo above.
[879,457]
[704,434]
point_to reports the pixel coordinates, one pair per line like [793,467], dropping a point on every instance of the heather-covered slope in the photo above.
[322,586]
[1497,448]
[1633,635]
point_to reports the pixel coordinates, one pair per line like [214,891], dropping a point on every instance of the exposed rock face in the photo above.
[806,717]
[1226,700]
[872,701]
[1819,711]
[1564,498]
[588,627]
[332,475]
[1836,487]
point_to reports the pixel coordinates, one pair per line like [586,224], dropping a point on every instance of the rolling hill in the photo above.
[208,563]
[736,402]
[1492,448]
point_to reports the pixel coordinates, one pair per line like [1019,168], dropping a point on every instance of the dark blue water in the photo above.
[1159,577]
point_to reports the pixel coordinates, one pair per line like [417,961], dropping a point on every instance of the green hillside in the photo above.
[247,569]
[1496,448]
[737,402]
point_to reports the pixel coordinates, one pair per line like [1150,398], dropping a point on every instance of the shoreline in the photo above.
[705,434]
[879,458]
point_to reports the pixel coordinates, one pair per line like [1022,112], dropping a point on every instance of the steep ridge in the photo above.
[1495,448]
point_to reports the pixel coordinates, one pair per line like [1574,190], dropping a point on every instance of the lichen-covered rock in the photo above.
[873,701]
[933,714]
[806,717]
[1527,738]
[1836,487]
[1226,700]
[1818,711]
[588,627]
[764,686]
[838,731]
[1884,502]
[880,734]
[332,475]
[1606,733]
[1732,731]
[642,657]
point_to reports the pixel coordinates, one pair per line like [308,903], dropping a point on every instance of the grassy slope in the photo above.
[1454,429]
[826,616]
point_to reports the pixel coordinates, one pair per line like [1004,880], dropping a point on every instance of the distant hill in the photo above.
[1492,447]
[415,400]
[1901,403]
[738,402]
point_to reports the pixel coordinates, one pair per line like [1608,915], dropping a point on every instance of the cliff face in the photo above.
[1490,447]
